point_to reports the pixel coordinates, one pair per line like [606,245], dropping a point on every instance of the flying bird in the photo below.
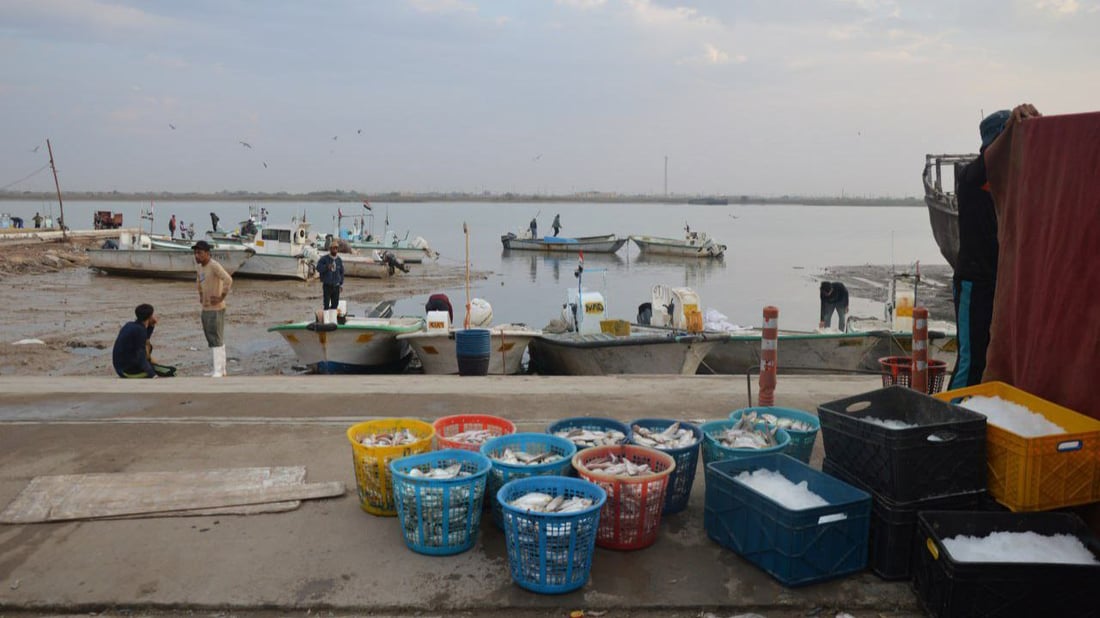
[36,148]
[265,165]
[246,144]
[334,137]
[360,131]
[537,158]
[172,126]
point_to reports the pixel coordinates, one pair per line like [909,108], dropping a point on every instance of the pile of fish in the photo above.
[790,424]
[523,458]
[617,466]
[450,472]
[545,503]
[585,438]
[390,438]
[471,436]
[672,437]
[743,435]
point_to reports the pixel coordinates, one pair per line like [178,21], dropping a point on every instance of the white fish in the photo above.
[523,458]
[471,436]
[672,437]
[592,437]
[389,438]
[450,472]
[545,503]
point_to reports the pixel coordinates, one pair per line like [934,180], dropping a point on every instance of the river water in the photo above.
[776,253]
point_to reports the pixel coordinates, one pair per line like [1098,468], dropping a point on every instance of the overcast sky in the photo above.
[764,97]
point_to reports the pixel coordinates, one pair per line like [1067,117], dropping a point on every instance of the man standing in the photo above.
[331,270]
[556,224]
[834,297]
[534,227]
[214,221]
[37,221]
[214,285]
[130,355]
[975,279]
[172,227]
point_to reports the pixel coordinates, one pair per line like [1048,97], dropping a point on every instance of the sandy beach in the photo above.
[51,295]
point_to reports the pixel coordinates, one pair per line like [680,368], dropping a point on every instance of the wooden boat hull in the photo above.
[678,247]
[409,255]
[363,345]
[160,264]
[609,243]
[436,350]
[943,209]
[364,267]
[603,354]
[268,266]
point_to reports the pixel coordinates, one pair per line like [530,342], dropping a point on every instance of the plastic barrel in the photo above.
[472,349]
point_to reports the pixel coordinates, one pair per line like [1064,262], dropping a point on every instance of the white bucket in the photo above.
[438,321]
[342,308]
[330,316]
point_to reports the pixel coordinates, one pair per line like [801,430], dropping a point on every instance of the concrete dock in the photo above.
[329,555]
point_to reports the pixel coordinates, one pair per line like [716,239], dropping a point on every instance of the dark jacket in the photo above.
[977,259]
[838,296]
[331,270]
[128,355]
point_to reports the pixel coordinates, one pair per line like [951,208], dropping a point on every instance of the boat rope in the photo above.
[39,170]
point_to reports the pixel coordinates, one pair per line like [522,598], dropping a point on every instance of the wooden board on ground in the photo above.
[108,495]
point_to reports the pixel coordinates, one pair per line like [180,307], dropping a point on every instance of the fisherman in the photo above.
[556,224]
[834,297]
[37,221]
[214,285]
[131,354]
[330,268]
[190,231]
[975,280]
[214,221]
[172,227]
[534,227]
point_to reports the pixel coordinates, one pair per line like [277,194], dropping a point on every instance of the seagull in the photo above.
[265,165]
[360,131]
[172,125]
[334,137]
[537,158]
[36,148]
[246,144]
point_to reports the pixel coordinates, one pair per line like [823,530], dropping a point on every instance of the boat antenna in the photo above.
[466,232]
[578,309]
[60,204]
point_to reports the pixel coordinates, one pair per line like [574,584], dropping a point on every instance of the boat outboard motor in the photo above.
[395,263]
[645,313]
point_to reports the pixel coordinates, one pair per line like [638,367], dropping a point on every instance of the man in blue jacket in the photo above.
[130,356]
[331,270]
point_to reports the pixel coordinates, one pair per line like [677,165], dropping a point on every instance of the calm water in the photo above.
[775,252]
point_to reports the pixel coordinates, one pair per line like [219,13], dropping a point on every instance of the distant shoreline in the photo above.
[384,198]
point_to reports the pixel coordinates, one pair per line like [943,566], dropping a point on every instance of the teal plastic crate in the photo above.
[802,442]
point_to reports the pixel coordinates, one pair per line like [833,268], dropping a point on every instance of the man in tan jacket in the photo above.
[214,284]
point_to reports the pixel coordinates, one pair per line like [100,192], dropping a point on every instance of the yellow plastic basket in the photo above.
[1041,473]
[372,463]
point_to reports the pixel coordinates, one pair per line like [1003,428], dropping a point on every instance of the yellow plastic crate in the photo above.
[1042,473]
[372,463]
[619,328]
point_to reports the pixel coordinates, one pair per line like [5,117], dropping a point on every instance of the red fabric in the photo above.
[1045,335]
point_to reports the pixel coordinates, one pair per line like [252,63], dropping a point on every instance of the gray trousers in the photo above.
[827,314]
[213,326]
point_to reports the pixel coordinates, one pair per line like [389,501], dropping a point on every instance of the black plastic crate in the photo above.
[947,588]
[894,525]
[943,455]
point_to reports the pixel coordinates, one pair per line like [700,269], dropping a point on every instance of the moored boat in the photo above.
[693,244]
[943,207]
[134,255]
[607,243]
[436,349]
[358,345]
[282,252]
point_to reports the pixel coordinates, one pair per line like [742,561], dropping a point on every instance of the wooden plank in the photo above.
[90,496]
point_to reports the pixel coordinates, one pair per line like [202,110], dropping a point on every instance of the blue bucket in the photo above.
[551,553]
[802,442]
[440,517]
[683,476]
[533,443]
[472,349]
[714,451]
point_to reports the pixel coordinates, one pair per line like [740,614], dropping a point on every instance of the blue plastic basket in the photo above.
[796,547]
[440,516]
[802,442]
[714,451]
[682,478]
[533,443]
[589,422]
[551,553]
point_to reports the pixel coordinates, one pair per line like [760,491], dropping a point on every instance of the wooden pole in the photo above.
[60,204]
[466,231]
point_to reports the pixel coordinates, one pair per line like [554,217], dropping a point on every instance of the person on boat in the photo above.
[37,221]
[190,231]
[214,221]
[330,268]
[440,302]
[834,297]
[556,224]
[534,227]
[172,227]
[131,354]
[214,285]
[975,277]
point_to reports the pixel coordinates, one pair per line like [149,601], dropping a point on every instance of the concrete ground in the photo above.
[330,557]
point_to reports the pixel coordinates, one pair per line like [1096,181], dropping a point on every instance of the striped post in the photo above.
[768,357]
[918,372]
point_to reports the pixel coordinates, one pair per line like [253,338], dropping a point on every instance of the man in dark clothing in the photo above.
[214,221]
[130,355]
[331,270]
[534,228]
[976,267]
[834,297]
[556,224]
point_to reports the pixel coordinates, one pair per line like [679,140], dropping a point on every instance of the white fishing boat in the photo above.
[133,254]
[370,265]
[413,251]
[435,345]
[357,345]
[693,244]
[608,243]
[282,252]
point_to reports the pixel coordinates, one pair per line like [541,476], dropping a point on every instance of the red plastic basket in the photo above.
[449,426]
[896,371]
[632,513]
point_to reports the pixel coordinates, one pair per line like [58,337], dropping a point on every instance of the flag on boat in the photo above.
[339,213]
[366,204]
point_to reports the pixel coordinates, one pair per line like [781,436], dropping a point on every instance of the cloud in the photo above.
[166,61]
[90,14]
[648,12]
[1065,7]
[583,5]
[443,6]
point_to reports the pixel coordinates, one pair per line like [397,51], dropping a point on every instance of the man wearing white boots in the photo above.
[214,284]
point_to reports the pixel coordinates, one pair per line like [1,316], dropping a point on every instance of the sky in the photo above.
[741,97]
